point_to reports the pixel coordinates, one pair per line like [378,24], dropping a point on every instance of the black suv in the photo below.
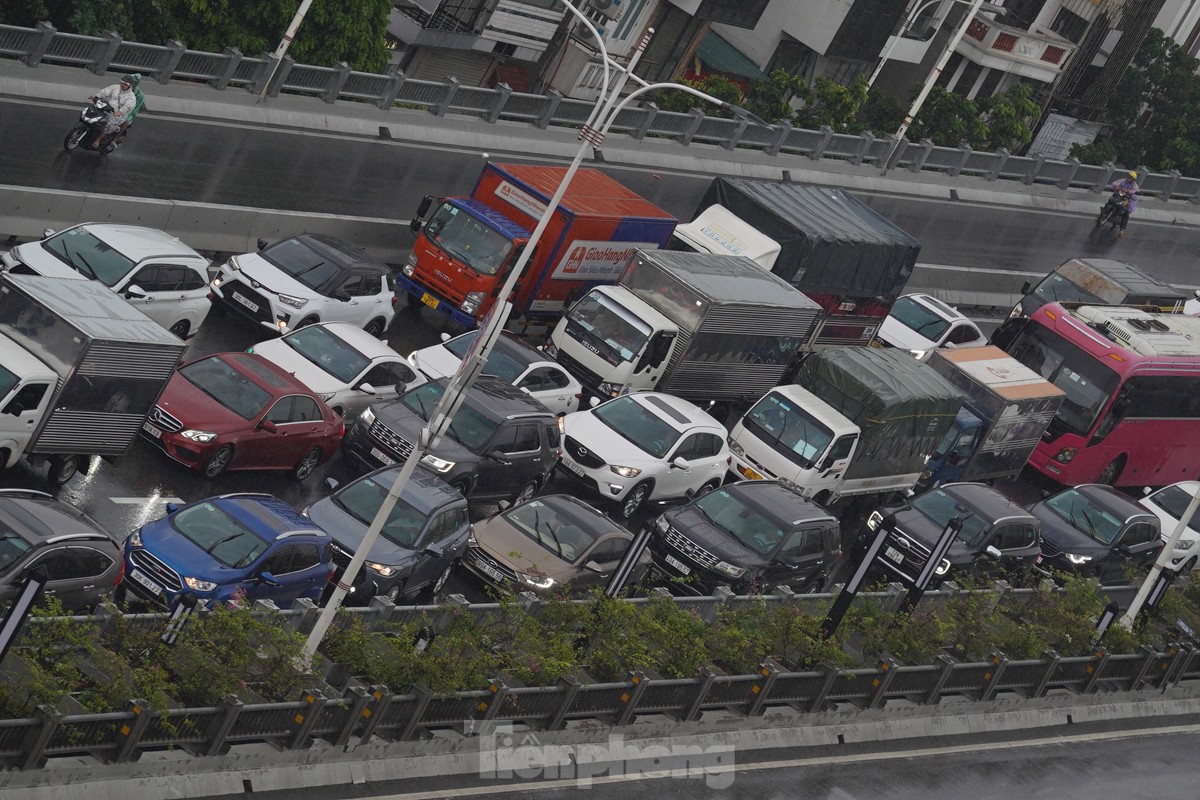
[751,536]
[421,539]
[502,444]
[997,538]
[1097,531]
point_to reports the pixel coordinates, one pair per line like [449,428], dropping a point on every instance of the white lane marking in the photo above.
[817,761]
[142,501]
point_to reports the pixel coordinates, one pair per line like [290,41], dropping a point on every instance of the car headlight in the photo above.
[730,569]
[471,302]
[135,539]
[1077,559]
[734,446]
[471,540]
[197,585]
[562,426]
[367,416]
[795,487]
[874,521]
[661,525]
[1185,544]
[1016,312]
[325,398]
[942,568]
[233,265]
[382,569]
[410,266]
[294,302]
[625,472]
[198,436]
[439,464]
[217,281]
[551,350]
[536,581]
[918,354]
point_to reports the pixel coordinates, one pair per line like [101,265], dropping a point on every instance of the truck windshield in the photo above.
[468,239]
[1056,289]
[83,252]
[923,321]
[1087,384]
[607,328]
[637,424]
[745,523]
[788,428]
[7,381]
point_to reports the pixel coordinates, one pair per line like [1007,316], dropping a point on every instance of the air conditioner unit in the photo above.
[1143,333]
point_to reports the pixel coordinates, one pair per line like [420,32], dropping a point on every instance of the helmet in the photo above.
[1132,174]
[133,79]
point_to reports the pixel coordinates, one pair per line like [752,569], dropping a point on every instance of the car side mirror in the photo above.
[172,508]
[593,566]
[423,207]
[500,456]
[445,337]
[262,244]
[993,551]
[366,388]
[268,426]
[1025,287]
[16,409]
[268,578]
[331,483]
[341,295]
[1146,490]
[47,233]
[435,550]
[595,401]
[133,290]
[504,505]
[679,462]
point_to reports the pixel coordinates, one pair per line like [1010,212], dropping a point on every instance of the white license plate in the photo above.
[892,554]
[144,581]
[382,457]
[679,565]
[154,431]
[247,303]
[578,470]
[490,571]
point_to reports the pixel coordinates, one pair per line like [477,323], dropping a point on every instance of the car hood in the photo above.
[34,256]
[915,525]
[400,419]
[518,552]
[897,334]
[721,543]
[1063,535]
[198,410]
[435,362]
[185,557]
[278,352]
[587,429]
[348,533]
[257,268]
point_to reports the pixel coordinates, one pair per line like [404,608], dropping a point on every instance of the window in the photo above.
[280,562]
[1087,383]
[1140,533]
[1014,537]
[552,436]
[525,439]
[194,279]
[281,411]
[390,373]
[962,334]
[802,544]
[610,550]
[1161,396]
[841,448]
[28,398]
[305,556]
[351,287]
[304,409]
[89,563]
[688,448]
[148,279]
[57,564]
[544,379]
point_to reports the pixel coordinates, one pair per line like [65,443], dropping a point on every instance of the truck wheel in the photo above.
[1108,476]
[63,468]
[218,461]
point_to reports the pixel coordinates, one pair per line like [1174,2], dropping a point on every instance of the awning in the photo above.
[718,55]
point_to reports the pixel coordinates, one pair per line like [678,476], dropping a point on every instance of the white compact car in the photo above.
[308,278]
[644,446]
[349,368]
[920,323]
[157,273]
[1169,504]
[512,361]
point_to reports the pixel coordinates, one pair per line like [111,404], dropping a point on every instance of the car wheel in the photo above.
[63,468]
[1108,476]
[1189,565]
[376,327]
[309,320]
[463,486]
[526,492]
[707,488]
[305,466]
[636,498]
[218,461]
[181,328]
[393,593]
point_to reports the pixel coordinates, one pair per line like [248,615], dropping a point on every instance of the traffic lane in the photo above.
[215,162]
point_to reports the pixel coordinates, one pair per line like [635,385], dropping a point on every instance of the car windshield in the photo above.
[921,320]
[1084,515]
[468,239]
[219,380]
[470,428]
[1175,500]
[219,535]
[745,523]
[502,364]
[1054,288]
[362,500]
[604,326]
[556,526]
[635,423]
[1087,384]
[80,250]
[939,508]
[792,430]
[303,263]
[329,352]
[12,549]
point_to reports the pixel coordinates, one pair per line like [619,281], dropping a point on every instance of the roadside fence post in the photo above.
[999,662]
[222,726]
[866,139]
[130,733]
[449,90]
[395,84]
[822,144]
[1072,169]
[1039,161]
[782,128]
[999,159]
[1052,658]
[732,142]
[887,671]
[917,163]
[693,125]
[36,53]
[337,82]
[553,99]
[33,757]
[707,677]
[169,61]
[496,106]
[233,57]
[360,698]
[380,697]
[570,689]
[1096,670]
[630,697]
[1173,178]
[650,111]
[106,50]
[767,671]
[964,152]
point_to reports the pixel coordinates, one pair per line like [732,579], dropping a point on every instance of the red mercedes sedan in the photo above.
[240,411]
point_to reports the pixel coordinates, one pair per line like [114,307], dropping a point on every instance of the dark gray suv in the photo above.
[502,444]
[421,539]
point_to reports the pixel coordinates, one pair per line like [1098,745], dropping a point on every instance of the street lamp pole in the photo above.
[1164,556]
[284,44]
[909,21]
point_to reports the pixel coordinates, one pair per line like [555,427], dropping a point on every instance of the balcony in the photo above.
[1039,55]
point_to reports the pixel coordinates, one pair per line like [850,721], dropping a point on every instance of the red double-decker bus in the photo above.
[1132,379]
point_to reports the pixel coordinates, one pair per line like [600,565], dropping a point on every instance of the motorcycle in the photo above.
[1116,209]
[93,120]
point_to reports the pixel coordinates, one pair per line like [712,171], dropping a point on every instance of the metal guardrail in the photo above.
[231,68]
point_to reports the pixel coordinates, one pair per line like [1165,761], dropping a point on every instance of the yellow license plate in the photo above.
[749,474]
[429,300]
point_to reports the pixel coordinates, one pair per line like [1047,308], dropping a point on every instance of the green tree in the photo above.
[770,99]
[948,119]
[880,113]
[1010,117]
[830,103]
[718,86]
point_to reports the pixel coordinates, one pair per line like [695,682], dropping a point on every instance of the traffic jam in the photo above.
[749,400]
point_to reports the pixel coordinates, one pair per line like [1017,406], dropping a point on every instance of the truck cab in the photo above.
[954,451]
[792,436]
[26,387]
[625,342]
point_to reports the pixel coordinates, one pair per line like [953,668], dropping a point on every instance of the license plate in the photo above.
[748,473]
[578,470]
[429,300]
[679,565]
[490,571]
[1037,560]
[250,304]
[144,581]
[154,431]
[892,554]
[382,457]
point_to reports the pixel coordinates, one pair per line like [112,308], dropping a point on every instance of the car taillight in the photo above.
[120,574]
[342,429]
[839,555]
[728,460]
[395,299]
